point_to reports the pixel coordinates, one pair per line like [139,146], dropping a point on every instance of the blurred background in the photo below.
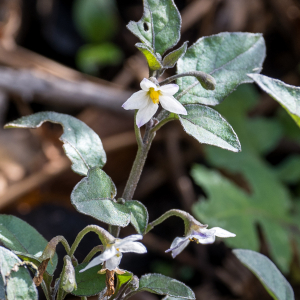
[77,57]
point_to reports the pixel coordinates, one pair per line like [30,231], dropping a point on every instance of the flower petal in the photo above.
[169,89]
[222,232]
[130,238]
[132,247]
[94,262]
[206,240]
[171,104]
[178,245]
[136,101]
[146,113]
[133,237]
[113,262]
[108,253]
[146,84]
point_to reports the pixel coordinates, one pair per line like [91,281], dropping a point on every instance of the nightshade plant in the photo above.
[207,72]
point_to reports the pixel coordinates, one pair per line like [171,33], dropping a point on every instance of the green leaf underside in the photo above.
[228,57]
[89,282]
[268,274]
[161,22]
[93,196]
[81,144]
[138,215]
[208,127]
[287,95]
[19,236]
[171,59]
[163,285]
[19,285]
[153,61]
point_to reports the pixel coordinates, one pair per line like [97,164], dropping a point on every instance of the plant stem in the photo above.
[186,217]
[206,80]
[104,236]
[92,253]
[138,164]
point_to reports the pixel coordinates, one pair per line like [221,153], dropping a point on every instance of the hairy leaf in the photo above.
[153,61]
[209,127]
[228,57]
[163,285]
[19,284]
[93,196]
[160,25]
[268,274]
[81,144]
[138,215]
[89,282]
[171,59]
[19,236]
[287,95]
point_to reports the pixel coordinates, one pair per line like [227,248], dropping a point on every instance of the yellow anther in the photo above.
[118,249]
[154,95]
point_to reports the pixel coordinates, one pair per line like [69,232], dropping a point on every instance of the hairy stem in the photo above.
[92,253]
[104,236]
[206,80]
[186,217]
[138,164]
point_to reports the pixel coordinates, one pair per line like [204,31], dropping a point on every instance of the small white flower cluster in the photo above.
[112,253]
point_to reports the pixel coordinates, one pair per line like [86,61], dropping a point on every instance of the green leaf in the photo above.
[264,269]
[171,59]
[19,236]
[153,61]
[209,127]
[233,209]
[19,284]
[163,285]
[160,25]
[96,20]
[288,171]
[90,58]
[89,282]
[93,196]
[287,95]
[138,215]
[48,275]
[81,144]
[122,279]
[228,57]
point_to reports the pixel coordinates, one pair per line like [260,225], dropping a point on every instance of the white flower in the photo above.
[146,101]
[200,235]
[112,253]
